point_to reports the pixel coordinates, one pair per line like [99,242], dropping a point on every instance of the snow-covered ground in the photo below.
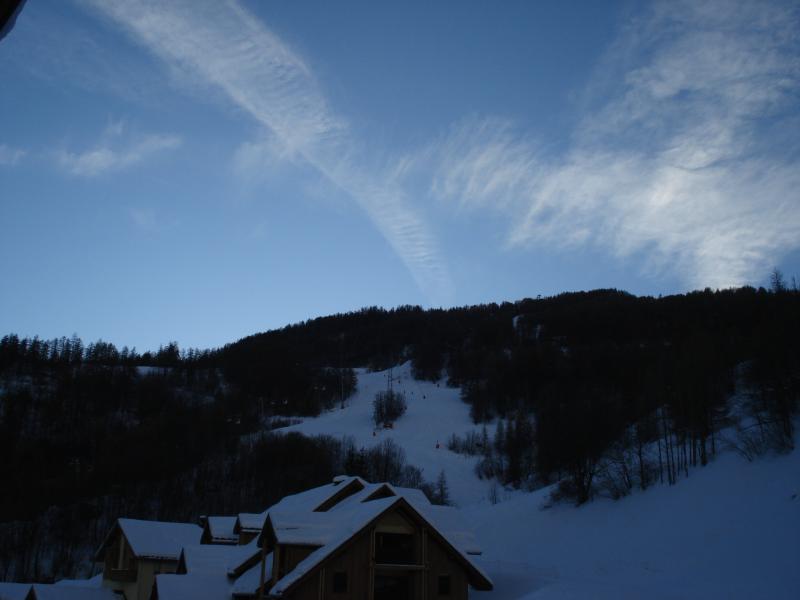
[434,412]
[730,530]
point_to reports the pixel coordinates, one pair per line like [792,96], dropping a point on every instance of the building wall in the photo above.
[148,569]
[120,568]
[358,562]
[287,556]
[440,563]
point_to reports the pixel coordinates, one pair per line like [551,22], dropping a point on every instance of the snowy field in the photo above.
[731,530]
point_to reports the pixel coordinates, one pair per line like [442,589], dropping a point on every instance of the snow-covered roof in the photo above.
[374,491]
[307,500]
[209,558]
[221,529]
[96,581]
[197,586]
[71,592]
[314,498]
[14,591]
[297,525]
[333,529]
[65,588]
[155,539]
[250,521]
[207,578]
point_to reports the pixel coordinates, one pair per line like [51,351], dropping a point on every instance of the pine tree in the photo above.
[441,493]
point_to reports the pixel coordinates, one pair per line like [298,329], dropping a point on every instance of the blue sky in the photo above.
[199,171]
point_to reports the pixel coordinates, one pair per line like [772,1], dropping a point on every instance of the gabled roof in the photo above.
[344,525]
[221,529]
[294,521]
[153,539]
[14,591]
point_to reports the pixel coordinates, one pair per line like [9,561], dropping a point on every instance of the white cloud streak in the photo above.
[678,164]
[110,155]
[10,157]
[224,46]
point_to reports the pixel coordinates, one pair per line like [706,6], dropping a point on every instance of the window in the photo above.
[394,549]
[443,588]
[340,583]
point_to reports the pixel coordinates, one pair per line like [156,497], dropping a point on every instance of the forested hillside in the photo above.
[89,432]
[573,373]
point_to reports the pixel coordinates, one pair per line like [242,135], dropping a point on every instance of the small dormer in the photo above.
[353,486]
[383,491]
[219,530]
[247,526]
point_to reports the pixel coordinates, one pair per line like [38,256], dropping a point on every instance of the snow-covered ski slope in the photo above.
[730,530]
[434,413]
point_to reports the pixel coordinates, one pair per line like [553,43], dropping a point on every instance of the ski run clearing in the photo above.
[731,530]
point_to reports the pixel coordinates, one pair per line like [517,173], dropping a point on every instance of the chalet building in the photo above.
[345,540]
[134,552]
[371,541]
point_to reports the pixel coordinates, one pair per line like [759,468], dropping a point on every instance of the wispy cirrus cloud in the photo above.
[688,157]
[116,150]
[9,156]
[222,45]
